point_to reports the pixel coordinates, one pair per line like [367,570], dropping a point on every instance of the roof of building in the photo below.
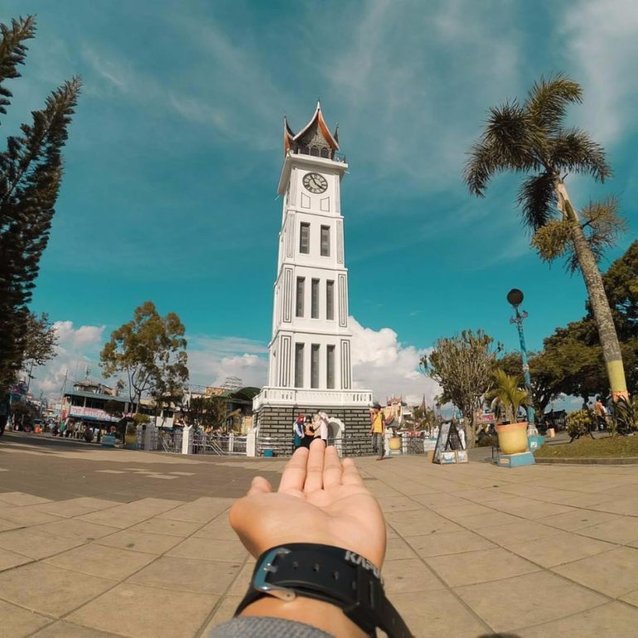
[316,119]
[95,395]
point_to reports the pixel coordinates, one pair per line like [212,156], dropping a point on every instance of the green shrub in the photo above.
[580,422]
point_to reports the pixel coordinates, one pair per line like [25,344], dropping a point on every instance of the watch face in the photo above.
[315,182]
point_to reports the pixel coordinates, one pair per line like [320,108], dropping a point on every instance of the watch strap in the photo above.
[330,574]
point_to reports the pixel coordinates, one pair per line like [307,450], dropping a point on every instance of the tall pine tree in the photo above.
[30,176]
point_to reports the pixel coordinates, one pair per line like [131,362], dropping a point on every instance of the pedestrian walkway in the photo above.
[473,549]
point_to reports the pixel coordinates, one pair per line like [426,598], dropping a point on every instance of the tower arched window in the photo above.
[324,152]
[314,150]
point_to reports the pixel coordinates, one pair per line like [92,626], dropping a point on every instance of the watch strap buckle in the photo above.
[268,566]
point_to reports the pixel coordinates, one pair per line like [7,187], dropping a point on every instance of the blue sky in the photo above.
[175,152]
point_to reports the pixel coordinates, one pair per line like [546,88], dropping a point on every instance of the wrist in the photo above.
[318,613]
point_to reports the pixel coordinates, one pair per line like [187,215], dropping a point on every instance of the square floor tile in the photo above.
[140,541]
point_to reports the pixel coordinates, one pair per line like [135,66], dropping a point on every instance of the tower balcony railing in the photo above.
[316,152]
[305,396]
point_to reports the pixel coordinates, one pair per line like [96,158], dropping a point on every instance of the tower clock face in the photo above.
[314,182]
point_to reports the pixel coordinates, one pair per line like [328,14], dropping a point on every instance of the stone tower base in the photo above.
[348,431]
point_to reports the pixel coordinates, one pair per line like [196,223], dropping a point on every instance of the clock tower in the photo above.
[310,356]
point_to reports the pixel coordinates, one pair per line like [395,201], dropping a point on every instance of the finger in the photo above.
[314,468]
[294,473]
[259,485]
[350,475]
[331,468]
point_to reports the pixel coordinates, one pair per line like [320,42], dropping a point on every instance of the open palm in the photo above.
[320,500]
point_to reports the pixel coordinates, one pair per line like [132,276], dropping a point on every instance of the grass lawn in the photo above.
[585,447]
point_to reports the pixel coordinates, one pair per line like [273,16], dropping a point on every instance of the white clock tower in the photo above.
[310,365]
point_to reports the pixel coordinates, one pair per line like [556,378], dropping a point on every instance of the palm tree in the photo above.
[531,138]
[507,394]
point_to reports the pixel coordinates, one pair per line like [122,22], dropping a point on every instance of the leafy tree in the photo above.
[507,394]
[113,408]
[462,366]
[531,138]
[40,340]
[30,178]
[208,411]
[151,351]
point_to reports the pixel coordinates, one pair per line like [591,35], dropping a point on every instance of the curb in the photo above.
[611,460]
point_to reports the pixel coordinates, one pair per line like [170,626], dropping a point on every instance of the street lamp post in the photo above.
[515,298]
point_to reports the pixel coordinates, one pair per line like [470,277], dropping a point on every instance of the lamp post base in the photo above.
[514,460]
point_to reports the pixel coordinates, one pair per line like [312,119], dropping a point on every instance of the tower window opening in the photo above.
[314,299]
[314,150]
[325,241]
[314,366]
[330,299]
[324,152]
[299,365]
[330,367]
[304,238]
[301,286]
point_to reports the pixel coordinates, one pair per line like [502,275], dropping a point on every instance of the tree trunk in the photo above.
[597,297]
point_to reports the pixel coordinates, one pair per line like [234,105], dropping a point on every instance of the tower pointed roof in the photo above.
[314,133]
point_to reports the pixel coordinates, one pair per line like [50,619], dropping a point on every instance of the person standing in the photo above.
[321,427]
[298,431]
[601,414]
[377,430]
[5,403]
[309,432]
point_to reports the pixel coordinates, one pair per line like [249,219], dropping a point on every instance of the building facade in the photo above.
[310,362]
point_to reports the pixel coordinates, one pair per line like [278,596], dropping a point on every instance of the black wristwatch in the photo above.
[334,575]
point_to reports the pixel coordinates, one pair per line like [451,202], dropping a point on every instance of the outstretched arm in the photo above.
[320,499]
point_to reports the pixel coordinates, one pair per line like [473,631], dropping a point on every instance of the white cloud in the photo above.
[387,367]
[380,362]
[601,40]
[76,353]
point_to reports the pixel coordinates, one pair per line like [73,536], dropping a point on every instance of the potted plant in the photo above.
[507,396]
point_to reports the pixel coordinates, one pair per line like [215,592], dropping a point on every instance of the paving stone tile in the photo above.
[36,545]
[75,528]
[167,526]
[146,612]
[531,599]
[185,574]
[558,549]
[17,622]
[48,589]
[98,560]
[613,619]
[129,514]
[613,573]
[418,523]
[140,541]
[26,516]
[578,519]
[439,613]
[479,566]
[398,504]
[21,498]
[240,585]
[63,629]
[201,510]
[448,543]
[205,549]
[397,548]
[10,559]
[627,506]
[478,521]
[531,509]
[218,529]
[622,530]
[75,506]
[7,525]
[409,575]
[517,532]
[454,512]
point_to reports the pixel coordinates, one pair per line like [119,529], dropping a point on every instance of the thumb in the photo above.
[259,485]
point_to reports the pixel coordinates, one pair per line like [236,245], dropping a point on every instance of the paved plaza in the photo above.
[97,542]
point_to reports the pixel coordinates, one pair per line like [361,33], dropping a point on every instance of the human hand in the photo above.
[320,500]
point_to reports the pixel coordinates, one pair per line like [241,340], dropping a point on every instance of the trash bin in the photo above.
[269,452]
